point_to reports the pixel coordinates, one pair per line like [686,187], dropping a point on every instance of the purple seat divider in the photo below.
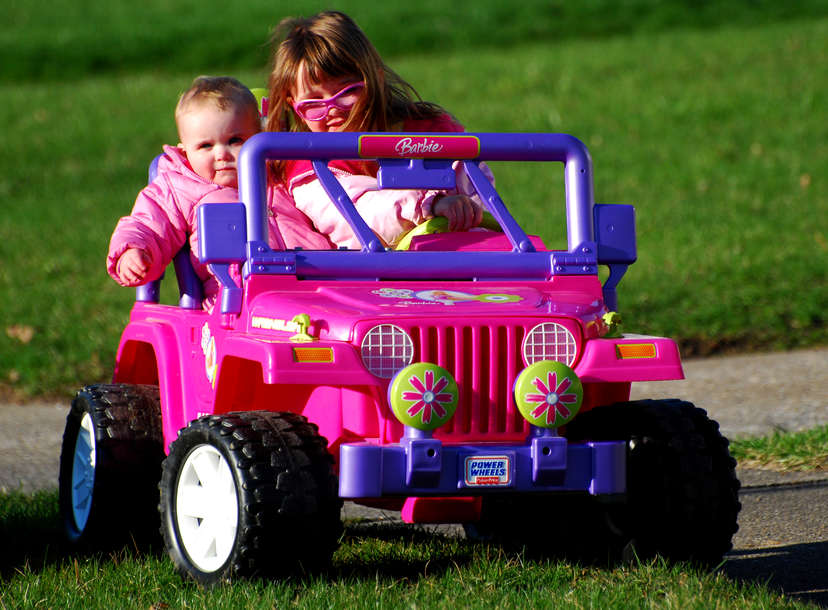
[190,290]
[189,284]
[149,292]
[615,233]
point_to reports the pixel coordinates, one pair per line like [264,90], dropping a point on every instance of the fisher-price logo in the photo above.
[427,147]
[488,471]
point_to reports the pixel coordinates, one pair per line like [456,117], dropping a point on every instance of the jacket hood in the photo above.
[174,160]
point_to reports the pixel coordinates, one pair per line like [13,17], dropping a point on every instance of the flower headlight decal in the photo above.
[552,398]
[548,394]
[423,396]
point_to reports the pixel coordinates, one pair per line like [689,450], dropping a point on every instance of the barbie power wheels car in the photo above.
[477,378]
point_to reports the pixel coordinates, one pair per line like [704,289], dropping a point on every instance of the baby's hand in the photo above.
[461,211]
[133,266]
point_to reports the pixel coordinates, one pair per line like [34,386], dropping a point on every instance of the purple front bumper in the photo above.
[423,466]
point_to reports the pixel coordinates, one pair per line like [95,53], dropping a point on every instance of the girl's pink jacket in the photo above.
[390,213]
[164,217]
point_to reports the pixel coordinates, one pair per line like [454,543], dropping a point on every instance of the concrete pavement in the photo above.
[749,395]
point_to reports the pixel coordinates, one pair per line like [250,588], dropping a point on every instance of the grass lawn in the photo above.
[376,567]
[806,450]
[708,117]
[74,38]
[721,145]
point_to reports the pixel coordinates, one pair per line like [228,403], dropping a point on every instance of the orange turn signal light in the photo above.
[313,354]
[630,351]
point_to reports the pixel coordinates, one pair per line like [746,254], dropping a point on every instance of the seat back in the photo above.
[190,290]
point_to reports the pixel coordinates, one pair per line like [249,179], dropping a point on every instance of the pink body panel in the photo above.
[474,329]
[601,362]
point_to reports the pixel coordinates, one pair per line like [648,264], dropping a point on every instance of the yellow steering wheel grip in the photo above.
[439,224]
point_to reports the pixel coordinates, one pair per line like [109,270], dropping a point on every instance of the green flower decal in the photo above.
[423,395]
[548,394]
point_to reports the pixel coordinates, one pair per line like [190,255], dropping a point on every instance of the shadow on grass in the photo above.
[398,551]
[30,533]
[31,539]
[797,570]
[31,536]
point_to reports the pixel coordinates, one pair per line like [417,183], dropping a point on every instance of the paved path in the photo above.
[754,394]
[749,395]
[30,445]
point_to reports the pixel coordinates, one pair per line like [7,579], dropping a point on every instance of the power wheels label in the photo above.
[488,471]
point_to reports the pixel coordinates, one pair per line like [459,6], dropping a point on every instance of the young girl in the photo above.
[327,76]
[214,117]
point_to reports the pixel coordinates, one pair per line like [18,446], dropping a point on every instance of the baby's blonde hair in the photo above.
[224,91]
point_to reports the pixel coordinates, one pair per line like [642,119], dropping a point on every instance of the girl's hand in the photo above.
[133,266]
[461,211]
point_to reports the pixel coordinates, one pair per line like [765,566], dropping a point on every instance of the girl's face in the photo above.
[211,138]
[337,113]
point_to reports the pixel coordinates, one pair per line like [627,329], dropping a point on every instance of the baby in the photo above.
[215,116]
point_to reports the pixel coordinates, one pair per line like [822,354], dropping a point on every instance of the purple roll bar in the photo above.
[562,148]
[596,234]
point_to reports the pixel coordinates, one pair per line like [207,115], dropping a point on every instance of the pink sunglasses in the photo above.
[317,110]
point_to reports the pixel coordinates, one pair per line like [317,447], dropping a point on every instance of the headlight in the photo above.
[550,341]
[386,349]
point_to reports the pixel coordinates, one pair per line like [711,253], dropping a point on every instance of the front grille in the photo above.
[484,359]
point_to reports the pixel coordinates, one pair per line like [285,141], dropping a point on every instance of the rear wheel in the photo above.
[682,492]
[110,464]
[249,493]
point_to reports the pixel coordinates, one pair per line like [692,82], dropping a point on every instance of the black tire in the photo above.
[280,481]
[113,499]
[682,492]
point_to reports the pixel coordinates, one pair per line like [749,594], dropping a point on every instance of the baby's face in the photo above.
[211,138]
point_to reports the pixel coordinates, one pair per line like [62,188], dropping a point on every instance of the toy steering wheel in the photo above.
[439,224]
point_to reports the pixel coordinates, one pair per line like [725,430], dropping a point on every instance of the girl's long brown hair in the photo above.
[331,45]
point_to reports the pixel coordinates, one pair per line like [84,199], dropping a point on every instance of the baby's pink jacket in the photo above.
[164,216]
[390,213]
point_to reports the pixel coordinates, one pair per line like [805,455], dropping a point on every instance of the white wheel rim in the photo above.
[206,508]
[83,472]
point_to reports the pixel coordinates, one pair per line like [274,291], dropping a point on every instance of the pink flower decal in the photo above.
[428,396]
[552,397]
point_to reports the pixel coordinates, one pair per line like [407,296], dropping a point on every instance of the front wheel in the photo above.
[249,493]
[207,508]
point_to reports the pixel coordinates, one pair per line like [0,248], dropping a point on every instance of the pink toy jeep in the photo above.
[476,378]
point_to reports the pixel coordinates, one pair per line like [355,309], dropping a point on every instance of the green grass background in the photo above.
[709,117]
[377,566]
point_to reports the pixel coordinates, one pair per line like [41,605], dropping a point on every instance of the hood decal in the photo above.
[446,297]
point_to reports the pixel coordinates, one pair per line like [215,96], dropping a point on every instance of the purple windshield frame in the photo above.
[561,148]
